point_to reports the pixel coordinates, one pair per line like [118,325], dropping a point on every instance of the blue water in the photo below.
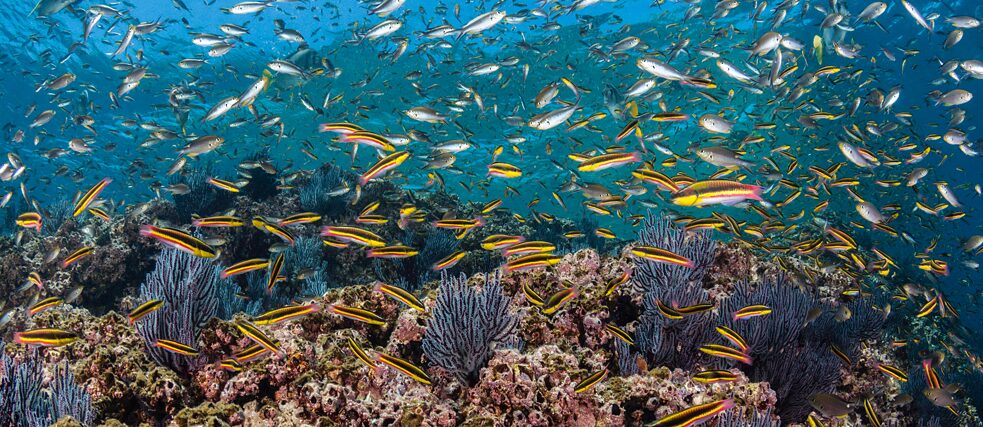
[376,92]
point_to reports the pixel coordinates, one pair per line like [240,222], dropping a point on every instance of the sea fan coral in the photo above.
[465,323]
[667,341]
[737,418]
[794,357]
[68,399]
[20,391]
[201,198]
[24,401]
[316,194]
[189,287]
[774,332]
[698,247]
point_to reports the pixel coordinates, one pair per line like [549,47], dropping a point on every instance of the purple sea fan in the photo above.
[773,332]
[24,402]
[189,287]
[748,418]
[466,323]
[698,247]
[795,358]
[667,341]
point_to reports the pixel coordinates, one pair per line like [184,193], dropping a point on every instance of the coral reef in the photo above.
[492,355]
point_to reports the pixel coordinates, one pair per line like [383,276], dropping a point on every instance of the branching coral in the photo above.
[465,323]
[189,287]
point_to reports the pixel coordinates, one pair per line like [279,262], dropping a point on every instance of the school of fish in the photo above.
[793,128]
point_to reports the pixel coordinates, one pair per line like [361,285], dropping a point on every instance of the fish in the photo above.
[353,235]
[401,295]
[735,338]
[74,257]
[607,161]
[449,261]
[250,330]
[273,273]
[30,220]
[716,191]
[405,367]
[557,300]
[590,381]
[830,405]
[651,253]
[284,314]
[500,241]
[481,23]
[243,267]
[696,415]
[250,354]
[176,347]
[357,314]
[722,157]
[383,166]
[361,354]
[90,196]
[218,221]
[179,240]
[725,352]
[714,376]
[531,261]
[715,124]
[202,145]
[45,337]
[44,304]
[396,251]
[893,372]
[144,309]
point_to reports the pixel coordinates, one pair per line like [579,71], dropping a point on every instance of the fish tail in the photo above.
[756,191]
[147,230]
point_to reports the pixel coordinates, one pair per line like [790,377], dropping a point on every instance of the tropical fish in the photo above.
[696,415]
[45,337]
[179,240]
[710,192]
